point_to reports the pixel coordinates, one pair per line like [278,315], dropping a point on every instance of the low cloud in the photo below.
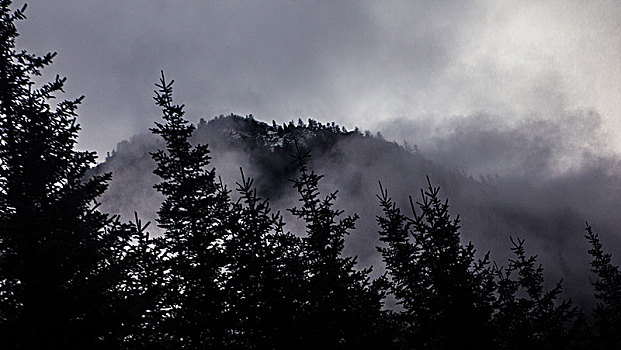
[358,63]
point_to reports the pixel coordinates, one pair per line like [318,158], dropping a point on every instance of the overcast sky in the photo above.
[359,63]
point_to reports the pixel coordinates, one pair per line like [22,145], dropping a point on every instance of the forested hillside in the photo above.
[549,214]
[262,237]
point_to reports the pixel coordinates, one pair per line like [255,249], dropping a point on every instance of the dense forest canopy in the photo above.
[225,270]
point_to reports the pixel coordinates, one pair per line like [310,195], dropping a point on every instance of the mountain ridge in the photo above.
[352,162]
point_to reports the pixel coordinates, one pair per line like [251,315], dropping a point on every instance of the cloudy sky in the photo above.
[359,63]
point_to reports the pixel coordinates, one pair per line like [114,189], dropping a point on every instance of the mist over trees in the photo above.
[225,270]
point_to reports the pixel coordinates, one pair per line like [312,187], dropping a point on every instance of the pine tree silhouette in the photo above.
[266,274]
[342,306]
[141,290]
[528,317]
[61,260]
[446,294]
[607,284]
[193,215]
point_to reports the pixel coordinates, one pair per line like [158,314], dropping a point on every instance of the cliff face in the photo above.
[549,215]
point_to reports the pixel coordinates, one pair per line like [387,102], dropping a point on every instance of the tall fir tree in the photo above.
[526,315]
[342,305]
[445,292]
[194,216]
[266,274]
[607,284]
[140,290]
[60,258]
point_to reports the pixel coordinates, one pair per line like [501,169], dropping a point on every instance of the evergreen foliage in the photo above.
[451,298]
[446,294]
[265,274]
[194,216]
[607,284]
[225,273]
[141,290]
[61,260]
[528,317]
[342,308]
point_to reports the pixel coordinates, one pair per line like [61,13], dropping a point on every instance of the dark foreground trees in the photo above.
[450,299]
[225,273]
[265,275]
[342,305]
[232,277]
[61,260]
[194,217]
[528,316]
[607,284]
[446,294]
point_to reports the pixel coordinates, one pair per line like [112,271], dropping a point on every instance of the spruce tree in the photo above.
[194,216]
[265,274]
[607,284]
[445,292]
[527,316]
[60,258]
[342,305]
[141,290]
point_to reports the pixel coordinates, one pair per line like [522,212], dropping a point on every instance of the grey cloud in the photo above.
[270,58]
[358,63]
[280,60]
[533,147]
[542,179]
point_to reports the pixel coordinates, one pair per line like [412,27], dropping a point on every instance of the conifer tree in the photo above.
[607,284]
[526,315]
[193,215]
[141,290]
[265,274]
[342,306]
[446,294]
[60,258]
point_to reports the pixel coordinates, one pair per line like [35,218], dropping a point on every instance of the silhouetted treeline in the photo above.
[226,272]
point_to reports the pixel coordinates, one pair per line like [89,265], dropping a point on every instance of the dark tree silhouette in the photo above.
[342,306]
[225,273]
[61,260]
[607,284]
[446,294]
[193,215]
[266,274]
[233,278]
[528,317]
[141,290]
